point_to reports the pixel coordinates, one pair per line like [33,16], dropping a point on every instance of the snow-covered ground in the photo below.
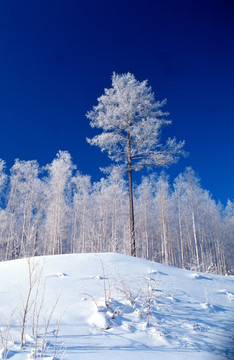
[112,306]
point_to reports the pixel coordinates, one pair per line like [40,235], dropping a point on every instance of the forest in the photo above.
[57,210]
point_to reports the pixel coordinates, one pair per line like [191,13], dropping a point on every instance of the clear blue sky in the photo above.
[57,56]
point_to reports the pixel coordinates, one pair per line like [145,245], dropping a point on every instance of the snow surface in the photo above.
[113,306]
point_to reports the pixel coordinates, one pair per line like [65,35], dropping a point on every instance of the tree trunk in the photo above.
[131,209]
[195,240]
[181,235]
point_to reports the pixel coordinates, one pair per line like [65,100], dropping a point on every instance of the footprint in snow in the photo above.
[208,307]
[229,294]
[61,275]
[198,276]
[212,308]
[98,277]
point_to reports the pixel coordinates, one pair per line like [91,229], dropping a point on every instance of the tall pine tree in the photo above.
[132,121]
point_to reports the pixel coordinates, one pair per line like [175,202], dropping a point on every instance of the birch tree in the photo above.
[22,209]
[144,215]
[132,121]
[81,221]
[3,176]
[162,200]
[228,224]
[3,215]
[57,203]
[110,198]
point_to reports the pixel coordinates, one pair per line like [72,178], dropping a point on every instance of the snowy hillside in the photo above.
[112,306]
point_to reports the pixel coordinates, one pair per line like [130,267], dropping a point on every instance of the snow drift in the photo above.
[101,306]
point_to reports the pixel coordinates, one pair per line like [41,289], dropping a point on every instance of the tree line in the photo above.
[57,210]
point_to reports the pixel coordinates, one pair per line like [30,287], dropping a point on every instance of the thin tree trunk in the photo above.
[181,235]
[146,236]
[131,209]
[195,240]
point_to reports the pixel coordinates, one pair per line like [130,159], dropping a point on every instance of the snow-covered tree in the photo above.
[3,176]
[58,203]
[81,221]
[22,212]
[228,225]
[3,215]
[189,194]
[144,209]
[162,202]
[132,122]
[110,200]
[56,212]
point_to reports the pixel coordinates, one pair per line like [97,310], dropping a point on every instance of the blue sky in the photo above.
[57,56]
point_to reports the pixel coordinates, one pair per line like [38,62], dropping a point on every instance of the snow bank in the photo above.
[114,306]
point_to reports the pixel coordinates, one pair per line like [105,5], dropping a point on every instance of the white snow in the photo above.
[113,306]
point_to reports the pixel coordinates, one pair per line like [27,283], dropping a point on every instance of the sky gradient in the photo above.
[57,56]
